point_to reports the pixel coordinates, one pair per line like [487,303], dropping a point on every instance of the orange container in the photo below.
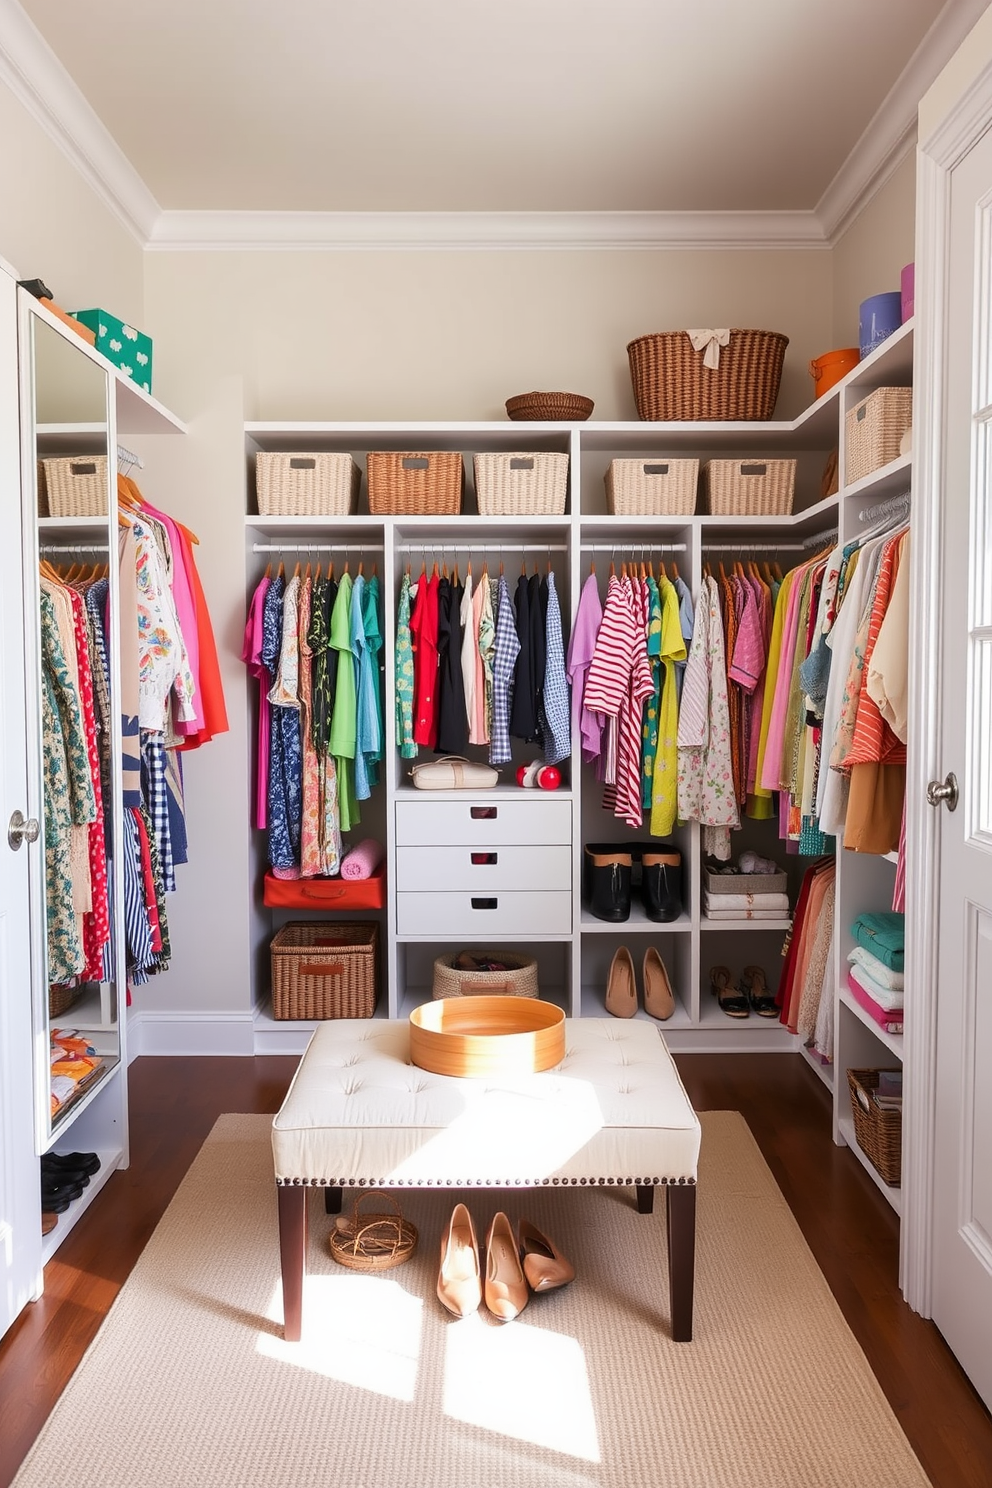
[832,366]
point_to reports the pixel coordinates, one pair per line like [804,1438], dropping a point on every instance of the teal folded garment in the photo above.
[884,934]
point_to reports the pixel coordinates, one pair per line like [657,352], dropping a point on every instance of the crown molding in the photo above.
[481,231]
[891,134]
[38,80]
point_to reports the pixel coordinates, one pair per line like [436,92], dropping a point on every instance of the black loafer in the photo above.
[87,1162]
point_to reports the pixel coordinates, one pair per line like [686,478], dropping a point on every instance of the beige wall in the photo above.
[870,256]
[53,226]
[427,335]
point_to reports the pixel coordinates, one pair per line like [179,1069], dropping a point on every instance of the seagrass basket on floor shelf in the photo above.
[734,379]
[325,970]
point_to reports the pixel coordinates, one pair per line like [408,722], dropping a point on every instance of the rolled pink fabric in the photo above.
[363,859]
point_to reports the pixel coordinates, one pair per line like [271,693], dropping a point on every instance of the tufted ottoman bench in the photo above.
[612,1112]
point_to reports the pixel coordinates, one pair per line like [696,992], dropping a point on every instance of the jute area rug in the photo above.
[190,1383]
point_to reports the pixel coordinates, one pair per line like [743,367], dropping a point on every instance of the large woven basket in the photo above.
[519,979]
[749,488]
[76,486]
[651,488]
[873,430]
[411,483]
[367,1240]
[61,999]
[324,970]
[878,1131]
[521,485]
[322,484]
[671,382]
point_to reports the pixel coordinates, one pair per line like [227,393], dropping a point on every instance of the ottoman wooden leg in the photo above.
[645,1198]
[292,1254]
[332,1200]
[681,1199]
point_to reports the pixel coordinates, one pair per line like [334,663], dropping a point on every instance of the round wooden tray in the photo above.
[487,1036]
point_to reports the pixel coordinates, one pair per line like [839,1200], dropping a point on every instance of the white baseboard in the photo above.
[185,1033]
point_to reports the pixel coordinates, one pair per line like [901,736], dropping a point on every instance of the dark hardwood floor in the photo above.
[850,1228]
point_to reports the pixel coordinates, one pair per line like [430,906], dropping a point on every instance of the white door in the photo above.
[962,1219]
[20,1197]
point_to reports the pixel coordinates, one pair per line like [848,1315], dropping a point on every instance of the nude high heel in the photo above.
[459,1284]
[544,1265]
[659,999]
[506,1286]
[621,988]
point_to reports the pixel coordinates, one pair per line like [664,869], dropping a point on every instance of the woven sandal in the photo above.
[754,985]
[730,1000]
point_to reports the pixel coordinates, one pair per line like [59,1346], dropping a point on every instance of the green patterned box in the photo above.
[121,344]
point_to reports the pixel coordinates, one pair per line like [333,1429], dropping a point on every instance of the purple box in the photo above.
[878,317]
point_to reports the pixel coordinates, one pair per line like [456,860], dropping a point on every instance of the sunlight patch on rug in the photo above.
[364,1331]
[525,1383]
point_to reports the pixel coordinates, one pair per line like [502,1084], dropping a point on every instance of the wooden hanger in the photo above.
[776,570]
[675,569]
[707,571]
[722,573]
[268,570]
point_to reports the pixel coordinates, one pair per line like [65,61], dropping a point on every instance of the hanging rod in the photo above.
[74,548]
[882,508]
[474,547]
[629,547]
[772,546]
[317,548]
[129,458]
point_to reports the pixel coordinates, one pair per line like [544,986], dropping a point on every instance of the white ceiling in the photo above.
[506,106]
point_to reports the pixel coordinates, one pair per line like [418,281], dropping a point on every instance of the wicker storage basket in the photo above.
[61,999]
[745,883]
[878,1131]
[322,484]
[567,407]
[651,488]
[76,486]
[873,429]
[521,485]
[409,483]
[749,488]
[671,382]
[370,1241]
[322,970]
[519,979]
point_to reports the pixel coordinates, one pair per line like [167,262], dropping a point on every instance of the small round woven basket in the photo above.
[568,407]
[517,976]
[366,1240]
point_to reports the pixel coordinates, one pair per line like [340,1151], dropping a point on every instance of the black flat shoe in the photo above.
[86,1162]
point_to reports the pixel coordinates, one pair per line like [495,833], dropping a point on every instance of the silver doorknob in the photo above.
[22,829]
[943,792]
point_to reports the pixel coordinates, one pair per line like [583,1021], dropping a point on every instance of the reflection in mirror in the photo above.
[70,408]
[71,394]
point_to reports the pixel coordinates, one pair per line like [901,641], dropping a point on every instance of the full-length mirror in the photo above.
[77,971]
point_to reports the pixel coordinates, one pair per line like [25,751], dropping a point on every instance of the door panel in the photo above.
[20,1197]
[962,1294]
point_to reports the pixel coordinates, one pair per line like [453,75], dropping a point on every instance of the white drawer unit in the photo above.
[483,822]
[427,869]
[460,913]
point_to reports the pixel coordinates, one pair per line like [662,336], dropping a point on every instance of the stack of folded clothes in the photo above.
[875,976]
[753,890]
[75,1065]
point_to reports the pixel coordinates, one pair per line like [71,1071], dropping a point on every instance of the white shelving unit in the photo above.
[574,960]
[97,1120]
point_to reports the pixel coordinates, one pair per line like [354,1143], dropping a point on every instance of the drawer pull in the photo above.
[485,860]
[485,903]
[321,968]
[485,989]
[483,813]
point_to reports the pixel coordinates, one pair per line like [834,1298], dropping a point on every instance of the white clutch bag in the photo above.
[452,772]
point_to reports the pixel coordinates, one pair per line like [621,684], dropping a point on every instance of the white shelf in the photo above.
[109,1159]
[892,1041]
[776,925]
[824,1072]
[894,1195]
[593,1005]
[65,1119]
[638,924]
[882,484]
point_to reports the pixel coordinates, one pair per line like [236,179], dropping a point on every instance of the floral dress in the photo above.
[403,683]
[705,767]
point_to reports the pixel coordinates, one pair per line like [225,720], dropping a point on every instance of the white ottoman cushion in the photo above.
[359,1112]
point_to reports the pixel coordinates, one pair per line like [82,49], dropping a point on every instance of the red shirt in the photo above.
[423,634]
